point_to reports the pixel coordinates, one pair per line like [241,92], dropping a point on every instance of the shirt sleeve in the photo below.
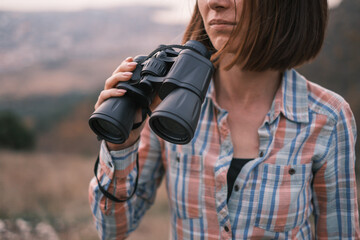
[334,185]
[117,173]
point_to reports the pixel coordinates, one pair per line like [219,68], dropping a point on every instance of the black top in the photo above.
[234,170]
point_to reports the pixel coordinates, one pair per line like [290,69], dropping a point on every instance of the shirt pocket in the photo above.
[185,185]
[284,196]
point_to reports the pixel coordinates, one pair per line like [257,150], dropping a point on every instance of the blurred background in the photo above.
[54,59]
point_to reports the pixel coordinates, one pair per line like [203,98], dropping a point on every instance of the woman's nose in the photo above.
[219,4]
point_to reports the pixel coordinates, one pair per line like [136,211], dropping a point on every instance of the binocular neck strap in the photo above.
[109,195]
[164,47]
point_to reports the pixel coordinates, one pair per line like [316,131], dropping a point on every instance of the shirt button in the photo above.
[226,228]
[292,171]
[110,164]
[261,154]
[236,188]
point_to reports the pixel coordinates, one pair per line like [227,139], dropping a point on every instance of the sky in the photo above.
[179,10]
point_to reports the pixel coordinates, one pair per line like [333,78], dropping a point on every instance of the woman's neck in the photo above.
[245,88]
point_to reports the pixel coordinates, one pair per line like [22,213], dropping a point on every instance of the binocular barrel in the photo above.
[181,82]
[114,118]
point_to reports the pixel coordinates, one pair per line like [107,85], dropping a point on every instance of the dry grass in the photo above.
[53,188]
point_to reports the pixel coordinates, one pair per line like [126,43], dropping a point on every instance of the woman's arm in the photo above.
[117,170]
[117,173]
[334,185]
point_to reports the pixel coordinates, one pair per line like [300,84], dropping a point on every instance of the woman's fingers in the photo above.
[122,73]
[127,65]
[108,93]
[112,81]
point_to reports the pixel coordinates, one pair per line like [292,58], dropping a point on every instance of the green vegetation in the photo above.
[45,111]
[14,134]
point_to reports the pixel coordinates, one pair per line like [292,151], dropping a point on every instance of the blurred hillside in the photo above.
[53,38]
[52,67]
[53,64]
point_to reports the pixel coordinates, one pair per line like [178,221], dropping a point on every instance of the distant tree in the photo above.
[14,134]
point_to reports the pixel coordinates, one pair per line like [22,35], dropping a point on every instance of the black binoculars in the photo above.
[180,78]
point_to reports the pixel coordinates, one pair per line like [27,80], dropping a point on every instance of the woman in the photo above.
[271,148]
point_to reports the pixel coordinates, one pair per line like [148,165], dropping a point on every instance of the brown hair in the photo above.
[275,34]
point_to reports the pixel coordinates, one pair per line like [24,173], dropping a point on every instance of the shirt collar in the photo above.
[291,99]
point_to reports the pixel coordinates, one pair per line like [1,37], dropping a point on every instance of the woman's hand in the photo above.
[122,73]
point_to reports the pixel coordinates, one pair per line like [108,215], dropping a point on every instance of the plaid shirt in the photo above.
[305,166]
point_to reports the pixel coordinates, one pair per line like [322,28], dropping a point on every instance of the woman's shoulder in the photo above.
[325,101]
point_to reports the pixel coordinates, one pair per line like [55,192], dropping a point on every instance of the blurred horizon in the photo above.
[169,11]
[48,5]
[174,11]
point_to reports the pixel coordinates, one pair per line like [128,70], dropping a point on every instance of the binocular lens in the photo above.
[172,129]
[176,117]
[107,128]
[113,120]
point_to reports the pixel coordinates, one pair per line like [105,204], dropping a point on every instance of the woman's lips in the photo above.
[220,24]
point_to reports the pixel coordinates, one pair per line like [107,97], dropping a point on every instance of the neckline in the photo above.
[243,159]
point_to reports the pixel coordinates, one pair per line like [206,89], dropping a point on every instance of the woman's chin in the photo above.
[219,42]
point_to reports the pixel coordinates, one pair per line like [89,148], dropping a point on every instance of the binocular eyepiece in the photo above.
[180,78]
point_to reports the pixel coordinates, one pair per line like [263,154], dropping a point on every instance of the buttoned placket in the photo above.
[222,165]
[265,133]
